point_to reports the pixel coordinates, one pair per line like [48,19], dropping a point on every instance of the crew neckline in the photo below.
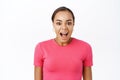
[62,46]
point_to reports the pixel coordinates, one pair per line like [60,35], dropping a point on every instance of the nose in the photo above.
[64,27]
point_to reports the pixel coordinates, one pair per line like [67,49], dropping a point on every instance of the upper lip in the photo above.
[63,33]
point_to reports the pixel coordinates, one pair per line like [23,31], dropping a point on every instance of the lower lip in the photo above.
[63,37]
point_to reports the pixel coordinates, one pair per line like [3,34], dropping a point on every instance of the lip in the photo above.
[63,34]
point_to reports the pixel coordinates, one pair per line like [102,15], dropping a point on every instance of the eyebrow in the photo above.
[66,20]
[69,20]
[58,20]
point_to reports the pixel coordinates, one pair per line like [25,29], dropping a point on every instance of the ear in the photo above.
[73,23]
[53,24]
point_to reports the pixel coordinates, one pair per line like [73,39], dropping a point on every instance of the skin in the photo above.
[87,73]
[38,73]
[63,23]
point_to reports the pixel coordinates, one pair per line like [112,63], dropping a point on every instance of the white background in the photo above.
[24,23]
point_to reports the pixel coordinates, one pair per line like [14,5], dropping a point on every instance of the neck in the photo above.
[62,43]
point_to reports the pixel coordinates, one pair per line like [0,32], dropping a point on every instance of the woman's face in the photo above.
[63,24]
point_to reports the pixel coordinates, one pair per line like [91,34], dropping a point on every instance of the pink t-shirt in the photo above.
[63,62]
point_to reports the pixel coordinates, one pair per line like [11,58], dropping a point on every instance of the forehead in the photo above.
[63,15]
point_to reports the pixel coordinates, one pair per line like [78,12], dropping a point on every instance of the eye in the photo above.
[69,23]
[58,23]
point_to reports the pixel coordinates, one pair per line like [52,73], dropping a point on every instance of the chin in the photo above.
[65,40]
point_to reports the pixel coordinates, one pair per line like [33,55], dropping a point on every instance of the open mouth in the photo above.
[63,34]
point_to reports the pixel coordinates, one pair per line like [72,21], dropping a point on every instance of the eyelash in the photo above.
[68,23]
[58,23]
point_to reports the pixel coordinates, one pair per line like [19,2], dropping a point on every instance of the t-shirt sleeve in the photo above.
[88,61]
[38,56]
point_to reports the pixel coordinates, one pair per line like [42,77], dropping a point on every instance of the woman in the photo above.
[64,57]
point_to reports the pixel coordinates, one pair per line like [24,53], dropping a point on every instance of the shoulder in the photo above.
[81,43]
[45,43]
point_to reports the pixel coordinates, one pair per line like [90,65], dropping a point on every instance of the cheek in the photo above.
[56,29]
[70,29]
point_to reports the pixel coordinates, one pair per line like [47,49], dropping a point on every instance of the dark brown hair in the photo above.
[62,9]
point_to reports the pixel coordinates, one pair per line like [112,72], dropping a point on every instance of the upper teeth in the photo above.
[65,33]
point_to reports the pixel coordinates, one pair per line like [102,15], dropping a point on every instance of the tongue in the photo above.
[64,36]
